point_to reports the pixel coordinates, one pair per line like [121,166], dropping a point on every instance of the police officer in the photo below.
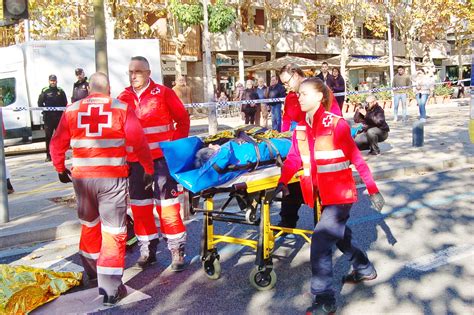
[80,88]
[51,96]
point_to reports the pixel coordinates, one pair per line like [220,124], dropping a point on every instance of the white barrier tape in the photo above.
[260,101]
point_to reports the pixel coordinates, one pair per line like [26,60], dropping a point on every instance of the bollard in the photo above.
[418,134]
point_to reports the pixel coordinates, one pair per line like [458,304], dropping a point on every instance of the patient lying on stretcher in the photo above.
[205,154]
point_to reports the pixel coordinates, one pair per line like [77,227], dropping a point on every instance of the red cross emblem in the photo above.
[327,121]
[94,120]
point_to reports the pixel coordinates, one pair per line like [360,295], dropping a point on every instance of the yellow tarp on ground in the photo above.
[23,288]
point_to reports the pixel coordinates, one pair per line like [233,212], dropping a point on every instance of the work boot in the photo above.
[148,257]
[112,300]
[177,259]
[356,277]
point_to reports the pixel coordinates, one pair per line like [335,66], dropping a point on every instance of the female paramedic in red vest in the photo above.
[323,146]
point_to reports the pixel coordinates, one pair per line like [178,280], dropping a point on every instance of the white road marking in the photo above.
[440,258]
[85,302]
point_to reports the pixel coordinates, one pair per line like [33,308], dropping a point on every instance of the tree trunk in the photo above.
[238,35]
[411,55]
[346,43]
[109,21]
[209,89]
[101,63]
[458,45]
[179,57]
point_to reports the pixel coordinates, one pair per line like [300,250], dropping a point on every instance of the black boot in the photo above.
[322,305]
[112,300]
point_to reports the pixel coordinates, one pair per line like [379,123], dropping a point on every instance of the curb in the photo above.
[42,234]
[73,228]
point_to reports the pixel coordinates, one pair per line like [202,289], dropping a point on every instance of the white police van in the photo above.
[25,68]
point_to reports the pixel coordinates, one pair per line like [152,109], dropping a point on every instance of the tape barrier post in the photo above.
[4,212]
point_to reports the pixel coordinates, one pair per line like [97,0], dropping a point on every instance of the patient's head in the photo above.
[205,154]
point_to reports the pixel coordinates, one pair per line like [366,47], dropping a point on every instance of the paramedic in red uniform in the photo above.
[322,145]
[292,76]
[163,118]
[99,129]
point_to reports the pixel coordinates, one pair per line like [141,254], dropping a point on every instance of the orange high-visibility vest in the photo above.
[334,179]
[97,131]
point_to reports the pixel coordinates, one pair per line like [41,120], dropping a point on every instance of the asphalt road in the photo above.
[421,245]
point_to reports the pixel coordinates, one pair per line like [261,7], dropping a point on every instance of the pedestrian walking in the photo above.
[323,147]
[324,73]
[424,86]
[337,84]
[262,109]
[51,96]
[400,95]
[249,109]
[184,92]
[163,118]
[374,127]
[100,130]
[276,90]
[80,89]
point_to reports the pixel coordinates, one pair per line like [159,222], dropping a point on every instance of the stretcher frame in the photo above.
[253,192]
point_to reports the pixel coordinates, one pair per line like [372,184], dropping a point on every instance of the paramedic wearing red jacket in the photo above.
[99,129]
[293,76]
[163,118]
[323,147]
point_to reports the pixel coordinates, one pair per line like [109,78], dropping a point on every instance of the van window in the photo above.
[7,91]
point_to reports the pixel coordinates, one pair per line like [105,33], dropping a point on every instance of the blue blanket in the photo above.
[230,161]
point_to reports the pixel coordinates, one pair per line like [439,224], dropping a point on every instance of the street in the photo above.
[421,245]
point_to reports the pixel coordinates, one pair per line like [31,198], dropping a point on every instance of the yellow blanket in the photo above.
[23,288]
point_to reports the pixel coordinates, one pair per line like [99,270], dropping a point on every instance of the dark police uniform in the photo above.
[51,97]
[80,90]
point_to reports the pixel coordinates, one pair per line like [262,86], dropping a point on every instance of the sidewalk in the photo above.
[41,209]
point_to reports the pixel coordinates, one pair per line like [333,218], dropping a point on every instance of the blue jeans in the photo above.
[276,117]
[397,99]
[421,100]
[332,230]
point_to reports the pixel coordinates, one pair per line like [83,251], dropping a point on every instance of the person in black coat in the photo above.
[249,109]
[324,73]
[51,96]
[374,127]
[80,88]
[337,84]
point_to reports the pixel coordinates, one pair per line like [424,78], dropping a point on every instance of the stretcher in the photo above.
[253,192]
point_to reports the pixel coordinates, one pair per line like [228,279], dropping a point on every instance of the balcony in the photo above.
[192,48]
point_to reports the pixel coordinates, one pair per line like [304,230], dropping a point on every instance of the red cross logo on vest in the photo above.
[94,120]
[327,121]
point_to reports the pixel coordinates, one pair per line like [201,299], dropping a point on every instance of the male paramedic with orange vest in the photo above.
[99,129]
[322,145]
[163,118]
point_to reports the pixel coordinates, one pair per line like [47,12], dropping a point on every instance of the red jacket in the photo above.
[333,188]
[292,111]
[99,128]
[158,108]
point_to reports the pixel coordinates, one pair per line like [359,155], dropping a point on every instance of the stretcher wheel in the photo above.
[250,216]
[262,280]
[212,269]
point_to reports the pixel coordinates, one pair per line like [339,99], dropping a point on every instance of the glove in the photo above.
[280,188]
[377,201]
[148,181]
[65,176]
